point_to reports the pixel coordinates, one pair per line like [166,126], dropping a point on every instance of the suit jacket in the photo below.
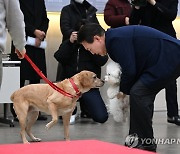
[71,15]
[144,54]
[115,12]
[159,16]
[35,18]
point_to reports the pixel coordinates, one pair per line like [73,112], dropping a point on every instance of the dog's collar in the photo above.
[78,93]
[39,72]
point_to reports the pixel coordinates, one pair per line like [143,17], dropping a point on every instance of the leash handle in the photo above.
[39,72]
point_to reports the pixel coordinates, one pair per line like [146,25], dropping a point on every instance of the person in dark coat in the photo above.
[160,14]
[74,59]
[117,12]
[36,26]
[149,60]
[71,15]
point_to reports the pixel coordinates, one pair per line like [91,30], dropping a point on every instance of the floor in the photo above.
[168,135]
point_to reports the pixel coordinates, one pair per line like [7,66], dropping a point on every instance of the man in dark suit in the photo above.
[149,60]
[36,26]
[160,14]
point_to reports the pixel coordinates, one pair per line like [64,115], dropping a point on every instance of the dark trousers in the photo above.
[95,105]
[141,110]
[171,99]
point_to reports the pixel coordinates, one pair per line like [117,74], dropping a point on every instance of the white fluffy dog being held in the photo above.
[118,102]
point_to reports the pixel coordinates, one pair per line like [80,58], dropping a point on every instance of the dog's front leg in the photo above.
[66,121]
[54,112]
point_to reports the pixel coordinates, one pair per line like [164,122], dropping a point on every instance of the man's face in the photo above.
[97,47]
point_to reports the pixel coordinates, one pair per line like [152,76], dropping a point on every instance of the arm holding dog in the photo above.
[121,95]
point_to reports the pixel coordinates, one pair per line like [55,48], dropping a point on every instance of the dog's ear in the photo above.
[84,80]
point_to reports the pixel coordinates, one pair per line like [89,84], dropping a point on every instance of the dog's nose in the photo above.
[102,81]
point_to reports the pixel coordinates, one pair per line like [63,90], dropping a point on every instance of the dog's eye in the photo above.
[109,74]
[94,77]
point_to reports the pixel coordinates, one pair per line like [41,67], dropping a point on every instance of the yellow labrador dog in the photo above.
[31,99]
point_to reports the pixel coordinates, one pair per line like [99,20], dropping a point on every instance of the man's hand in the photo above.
[39,34]
[37,42]
[127,20]
[121,95]
[152,2]
[20,54]
[73,37]
[137,7]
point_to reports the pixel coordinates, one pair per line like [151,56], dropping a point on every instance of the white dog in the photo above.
[118,102]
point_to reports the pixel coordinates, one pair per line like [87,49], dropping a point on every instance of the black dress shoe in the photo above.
[174,120]
[133,141]
[150,147]
[42,117]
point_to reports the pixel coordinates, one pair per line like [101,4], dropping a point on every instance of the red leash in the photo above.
[39,72]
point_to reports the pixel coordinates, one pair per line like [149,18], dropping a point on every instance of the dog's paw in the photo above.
[67,139]
[26,142]
[47,127]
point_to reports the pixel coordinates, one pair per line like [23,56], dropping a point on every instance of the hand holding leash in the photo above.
[20,54]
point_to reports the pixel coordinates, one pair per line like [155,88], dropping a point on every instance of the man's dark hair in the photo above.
[88,31]
[80,23]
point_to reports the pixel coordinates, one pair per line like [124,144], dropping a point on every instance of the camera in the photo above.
[139,2]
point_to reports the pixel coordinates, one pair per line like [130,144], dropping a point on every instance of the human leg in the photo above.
[95,105]
[141,114]
[34,81]
[172,103]
[84,111]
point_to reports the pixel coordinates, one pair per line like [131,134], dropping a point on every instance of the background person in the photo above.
[117,12]
[36,26]
[11,18]
[160,14]
[75,59]
[71,15]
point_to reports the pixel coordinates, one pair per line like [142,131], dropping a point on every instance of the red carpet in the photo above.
[69,147]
